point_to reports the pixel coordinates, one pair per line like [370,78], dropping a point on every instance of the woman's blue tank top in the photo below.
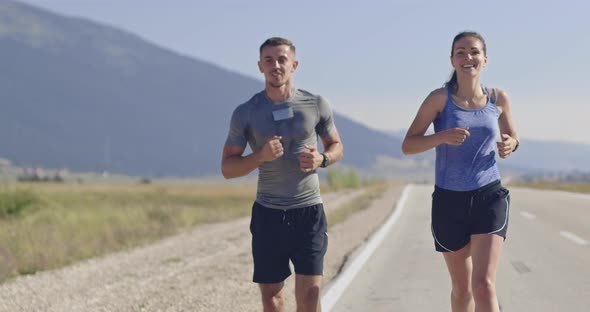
[473,164]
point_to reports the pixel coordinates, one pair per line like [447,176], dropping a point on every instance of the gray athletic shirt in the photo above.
[299,120]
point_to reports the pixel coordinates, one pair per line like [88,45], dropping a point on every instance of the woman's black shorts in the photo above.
[456,215]
[278,236]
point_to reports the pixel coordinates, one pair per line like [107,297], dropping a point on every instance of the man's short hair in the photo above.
[277,41]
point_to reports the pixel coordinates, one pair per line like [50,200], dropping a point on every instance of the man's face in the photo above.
[277,63]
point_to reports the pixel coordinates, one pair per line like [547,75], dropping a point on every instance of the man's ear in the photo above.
[295,64]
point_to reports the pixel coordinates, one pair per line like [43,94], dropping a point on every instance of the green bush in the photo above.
[338,179]
[16,202]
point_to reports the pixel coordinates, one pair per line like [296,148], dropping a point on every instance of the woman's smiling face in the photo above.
[468,55]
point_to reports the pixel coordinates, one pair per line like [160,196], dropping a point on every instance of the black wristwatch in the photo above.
[325,161]
[517,145]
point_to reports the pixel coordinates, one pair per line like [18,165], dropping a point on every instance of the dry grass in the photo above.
[373,191]
[578,187]
[45,226]
[64,223]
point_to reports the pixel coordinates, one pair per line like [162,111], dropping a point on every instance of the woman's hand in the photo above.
[454,136]
[506,146]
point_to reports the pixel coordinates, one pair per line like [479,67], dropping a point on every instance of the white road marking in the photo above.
[528,215]
[345,278]
[574,238]
[583,196]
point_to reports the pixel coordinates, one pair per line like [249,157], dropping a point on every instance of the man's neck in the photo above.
[280,94]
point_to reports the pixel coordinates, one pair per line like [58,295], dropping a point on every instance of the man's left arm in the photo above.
[326,129]
[332,147]
[313,159]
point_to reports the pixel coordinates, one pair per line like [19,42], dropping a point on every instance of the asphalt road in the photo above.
[545,264]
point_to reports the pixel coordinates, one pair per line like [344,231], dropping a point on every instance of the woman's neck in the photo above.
[469,89]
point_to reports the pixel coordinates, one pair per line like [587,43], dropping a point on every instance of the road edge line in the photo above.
[344,279]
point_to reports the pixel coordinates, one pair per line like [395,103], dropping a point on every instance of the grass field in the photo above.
[45,226]
[358,204]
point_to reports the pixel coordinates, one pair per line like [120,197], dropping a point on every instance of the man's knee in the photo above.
[308,296]
[273,303]
[272,297]
[311,294]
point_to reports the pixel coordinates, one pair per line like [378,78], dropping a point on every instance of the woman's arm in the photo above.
[508,133]
[416,142]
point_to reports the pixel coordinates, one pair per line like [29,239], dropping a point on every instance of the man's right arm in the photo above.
[234,165]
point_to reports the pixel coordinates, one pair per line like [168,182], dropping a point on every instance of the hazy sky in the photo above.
[377,60]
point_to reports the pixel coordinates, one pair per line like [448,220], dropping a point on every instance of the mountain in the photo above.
[540,156]
[536,156]
[90,97]
[533,160]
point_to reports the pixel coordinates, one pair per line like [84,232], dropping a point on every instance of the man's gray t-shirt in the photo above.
[299,121]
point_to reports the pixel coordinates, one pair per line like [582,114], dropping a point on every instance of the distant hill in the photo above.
[88,97]
[539,156]
[536,156]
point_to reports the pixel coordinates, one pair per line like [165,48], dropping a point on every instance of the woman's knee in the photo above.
[461,293]
[484,289]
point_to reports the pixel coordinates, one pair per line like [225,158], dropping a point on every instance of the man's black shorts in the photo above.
[456,215]
[278,236]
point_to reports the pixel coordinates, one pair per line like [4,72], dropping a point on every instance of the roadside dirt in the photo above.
[206,269]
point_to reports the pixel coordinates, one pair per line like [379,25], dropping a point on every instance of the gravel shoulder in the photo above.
[205,269]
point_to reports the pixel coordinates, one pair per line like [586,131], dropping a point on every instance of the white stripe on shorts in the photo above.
[505,219]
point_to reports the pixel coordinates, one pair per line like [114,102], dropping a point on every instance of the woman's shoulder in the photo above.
[498,95]
[437,97]
[501,94]
[439,93]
